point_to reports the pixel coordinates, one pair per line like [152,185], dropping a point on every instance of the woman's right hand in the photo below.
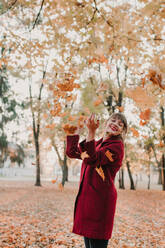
[91,124]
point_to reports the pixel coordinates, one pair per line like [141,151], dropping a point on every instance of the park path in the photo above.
[37,217]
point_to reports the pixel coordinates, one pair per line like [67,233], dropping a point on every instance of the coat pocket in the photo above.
[94,205]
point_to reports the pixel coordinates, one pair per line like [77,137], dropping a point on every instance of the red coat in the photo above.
[96,199]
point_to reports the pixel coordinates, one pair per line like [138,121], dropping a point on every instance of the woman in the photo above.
[96,199]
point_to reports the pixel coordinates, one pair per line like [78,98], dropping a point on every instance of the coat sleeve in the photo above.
[72,148]
[109,154]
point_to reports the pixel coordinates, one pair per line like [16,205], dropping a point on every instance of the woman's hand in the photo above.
[92,126]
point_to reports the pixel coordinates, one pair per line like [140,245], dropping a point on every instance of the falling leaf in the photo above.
[100,172]
[98,101]
[135,132]
[145,115]
[102,87]
[143,82]
[109,155]
[51,126]
[71,118]
[161,144]
[120,108]
[69,129]
[45,116]
[69,98]
[143,123]
[84,155]
[145,137]
[140,96]
[62,114]
[155,78]
[54,180]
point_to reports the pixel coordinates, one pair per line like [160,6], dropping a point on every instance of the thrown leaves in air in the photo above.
[69,129]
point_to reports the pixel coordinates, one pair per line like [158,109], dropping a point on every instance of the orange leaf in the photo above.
[155,78]
[140,96]
[48,105]
[145,137]
[45,116]
[135,132]
[69,129]
[145,115]
[143,123]
[120,108]
[161,144]
[62,114]
[81,118]
[98,102]
[71,118]
[143,81]
[69,98]
[109,155]
[54,181]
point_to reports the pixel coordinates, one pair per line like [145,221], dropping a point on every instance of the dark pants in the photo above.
[95,243]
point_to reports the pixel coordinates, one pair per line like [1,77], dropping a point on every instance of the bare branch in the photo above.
[97,10]
[38,15]
[32,110]
[10,7]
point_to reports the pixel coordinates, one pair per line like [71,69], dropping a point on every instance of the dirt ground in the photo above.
[36,217]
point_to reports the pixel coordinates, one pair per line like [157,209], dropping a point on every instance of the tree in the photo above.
[163,141]
[7,105]
[36,121]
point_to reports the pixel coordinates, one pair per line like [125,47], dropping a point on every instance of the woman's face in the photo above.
[114,126]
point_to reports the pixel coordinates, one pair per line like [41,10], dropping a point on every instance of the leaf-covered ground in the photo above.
[42,217]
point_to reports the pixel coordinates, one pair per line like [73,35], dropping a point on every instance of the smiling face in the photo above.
[114,126]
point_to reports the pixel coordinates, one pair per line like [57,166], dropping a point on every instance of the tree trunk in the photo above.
[163,155]
[158,164]
[36,130]
[64,168]
[149,179]
[132,185]
[38,180]
[121,179]
[160,174]
[163,171]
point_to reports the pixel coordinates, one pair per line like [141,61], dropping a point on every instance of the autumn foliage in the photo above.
[43,217]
